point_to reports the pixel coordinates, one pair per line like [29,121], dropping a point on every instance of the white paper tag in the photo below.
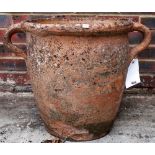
[133,76]
[85,26]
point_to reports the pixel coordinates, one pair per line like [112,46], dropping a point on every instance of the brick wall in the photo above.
[13,74]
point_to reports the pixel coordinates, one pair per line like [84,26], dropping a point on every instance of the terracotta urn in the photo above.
[78,67]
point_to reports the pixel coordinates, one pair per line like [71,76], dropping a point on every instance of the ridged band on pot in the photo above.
[78,68]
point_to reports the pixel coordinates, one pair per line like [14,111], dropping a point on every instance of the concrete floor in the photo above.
[20,120]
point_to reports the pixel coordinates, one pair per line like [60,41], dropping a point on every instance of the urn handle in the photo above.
[147,38]
[7,39]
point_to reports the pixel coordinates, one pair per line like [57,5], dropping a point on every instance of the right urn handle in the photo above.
[146,41]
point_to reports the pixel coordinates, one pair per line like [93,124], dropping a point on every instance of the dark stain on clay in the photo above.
[67,118]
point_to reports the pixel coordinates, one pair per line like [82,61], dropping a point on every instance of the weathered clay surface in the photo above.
[78,82]
[78,69]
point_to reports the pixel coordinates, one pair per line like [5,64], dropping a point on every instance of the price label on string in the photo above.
[133,76]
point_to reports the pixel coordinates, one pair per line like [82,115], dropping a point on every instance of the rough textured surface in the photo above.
[20,120]
[68,73]
[77,66]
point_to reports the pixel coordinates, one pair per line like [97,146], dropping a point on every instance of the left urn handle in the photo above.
[15,28]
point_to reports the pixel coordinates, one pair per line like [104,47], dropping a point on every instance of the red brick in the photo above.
[26,88]
[18,78]
[5,21]
[147,81]
[147,67]
[153,37]
[12,65]
[4,51]
[149,21]
[19,18]
[148,53]
[2,32]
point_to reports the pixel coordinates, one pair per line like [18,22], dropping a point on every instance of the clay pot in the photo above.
[78,67]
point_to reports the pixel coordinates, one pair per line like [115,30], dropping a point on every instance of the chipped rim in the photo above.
[78,25]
